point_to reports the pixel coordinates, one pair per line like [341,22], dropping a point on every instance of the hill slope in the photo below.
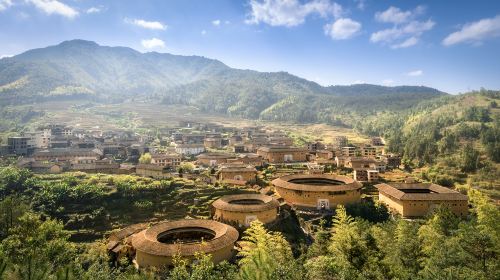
[83,69]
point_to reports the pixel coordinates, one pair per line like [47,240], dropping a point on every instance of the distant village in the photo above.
[311,179]
[233,153]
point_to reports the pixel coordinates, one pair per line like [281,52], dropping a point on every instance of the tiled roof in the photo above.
[234,182]
[282,149]
[147,240]
[150,167]
[129,230]
[215,156]
[348,183]
[224,203]
[438,192]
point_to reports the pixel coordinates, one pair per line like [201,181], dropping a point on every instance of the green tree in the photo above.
[14,181]
[347,246]
[11,208]
[145,158]
[321,241]
[35,239]
[202,268]
[439,245]
[469,158]
[186,167]
[266,255]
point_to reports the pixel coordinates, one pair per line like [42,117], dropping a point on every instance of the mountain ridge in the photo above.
[85,69]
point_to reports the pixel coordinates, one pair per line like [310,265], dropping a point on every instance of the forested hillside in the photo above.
[34,243]
[458,135]
[81,69]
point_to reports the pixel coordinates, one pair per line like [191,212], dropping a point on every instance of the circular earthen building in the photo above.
[242,209]
[157,245]
[319,191]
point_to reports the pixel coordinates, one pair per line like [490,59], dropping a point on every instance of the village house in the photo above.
[248,158]
[171,161]
[161,244]
[152,171]
[237,172]
[193,138]
[18,145]
[324,154]
[113,149]
[59,142]
[416,200]
[213,159]
[368,151]
[282,154]
[189,149]
[359,162]
[348,151]
[84,144]
[39,139]
[213,142]
[92,165]
[59,130]
[242,209]
[66,154]
[392,161]
[238,148]
[315,146]
[44,166]
[235,139]
[366,175]
[317,191]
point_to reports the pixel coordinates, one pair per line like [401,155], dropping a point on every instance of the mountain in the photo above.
[85,70]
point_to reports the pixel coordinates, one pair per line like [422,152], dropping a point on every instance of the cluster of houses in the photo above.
[231,154]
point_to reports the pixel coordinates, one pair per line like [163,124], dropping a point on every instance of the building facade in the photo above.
[416,200]
[317,191]
[283,154]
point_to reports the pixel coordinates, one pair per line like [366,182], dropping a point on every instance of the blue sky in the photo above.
[450,45]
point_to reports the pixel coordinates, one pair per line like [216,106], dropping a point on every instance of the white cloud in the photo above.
[358,82]
[342,28]
[154,25]
[388,82]
[5,4]
[414,29]
[415,73]
[54,7]
[216,22]
[360,4]
[412,41]
[203,32]
[5,55]
[153,43]
[393,15]
[290,12]
[94,10]
[227,22]
[406,30]
[475,32]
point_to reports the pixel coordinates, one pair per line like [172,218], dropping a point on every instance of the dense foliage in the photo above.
[441,247]
[90,205]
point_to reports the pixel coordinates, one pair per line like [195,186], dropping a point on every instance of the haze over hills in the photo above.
[85,70]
